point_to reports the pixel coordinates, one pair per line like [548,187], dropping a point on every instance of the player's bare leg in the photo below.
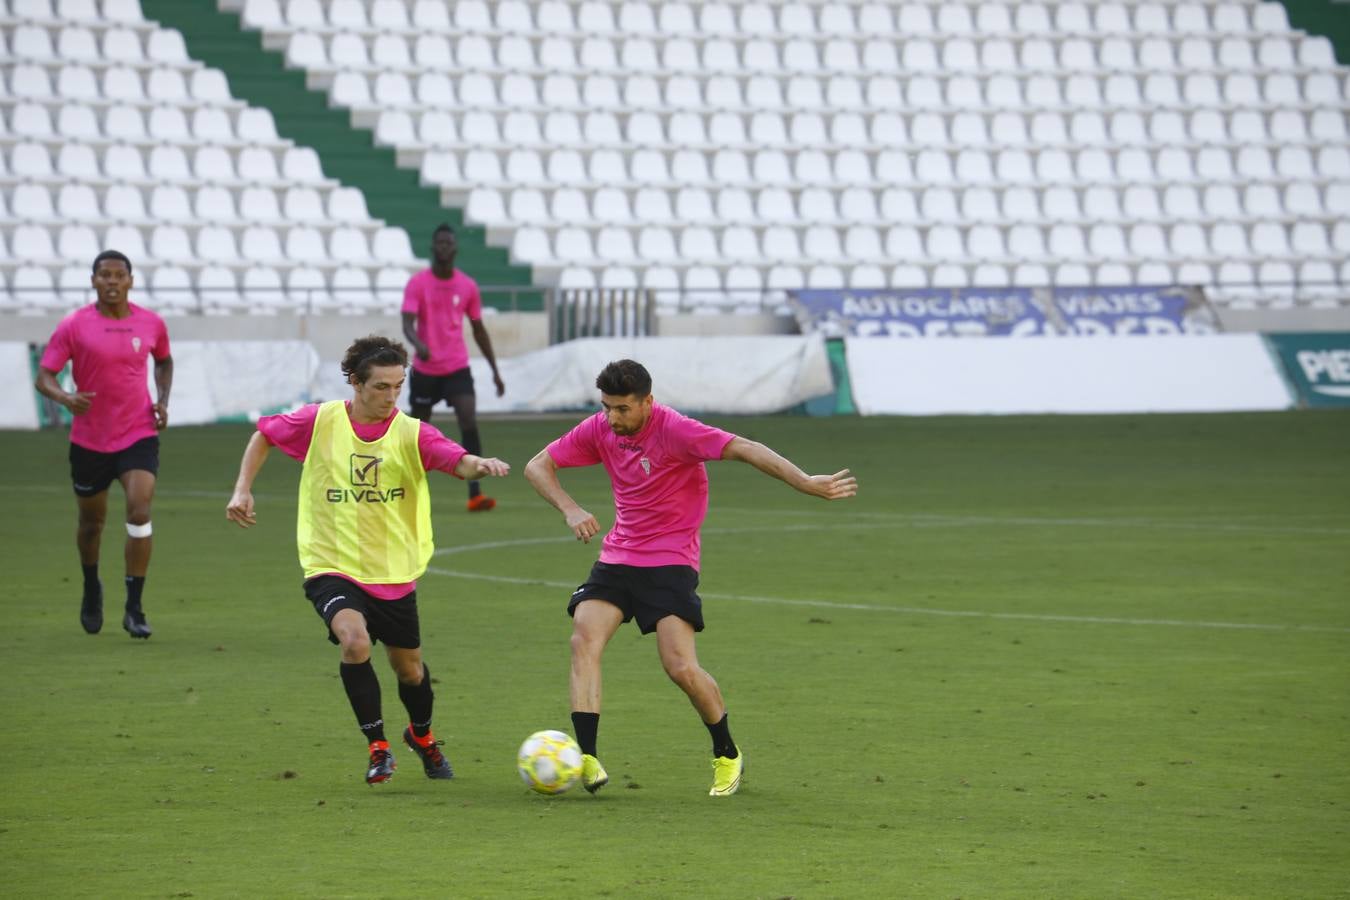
[594,622]
[93,512]
[675,641]
[139,487]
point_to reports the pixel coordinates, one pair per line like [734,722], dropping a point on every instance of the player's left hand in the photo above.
[833,487]
[492,466]
[240,509]
[161,416]
[501,385]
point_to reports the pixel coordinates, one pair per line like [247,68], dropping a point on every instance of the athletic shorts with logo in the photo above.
[393,621]
[428,390]
[92,472]
[645,593]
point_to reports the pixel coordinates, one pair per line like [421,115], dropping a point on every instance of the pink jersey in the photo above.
[660,483]
[109,361]
[292,432]
[440,306]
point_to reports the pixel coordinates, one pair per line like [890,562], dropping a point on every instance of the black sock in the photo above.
[91,585]
[586,725]
[469,440]
[723,745]
[135,584]
[417,701]
[363,690]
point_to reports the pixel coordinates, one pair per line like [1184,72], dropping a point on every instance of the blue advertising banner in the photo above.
[1004,312]
[1317,364]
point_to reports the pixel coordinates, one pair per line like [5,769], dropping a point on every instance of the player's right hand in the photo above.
[583,525]
[79,402]
[240,509]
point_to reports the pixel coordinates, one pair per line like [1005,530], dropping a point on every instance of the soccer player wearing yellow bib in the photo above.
[364,533]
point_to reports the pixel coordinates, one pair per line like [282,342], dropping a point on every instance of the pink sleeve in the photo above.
[474,307]
[412,295]
[291,432]
[439,453]
[577,447]
[698,441]
[57,353]
[161,349]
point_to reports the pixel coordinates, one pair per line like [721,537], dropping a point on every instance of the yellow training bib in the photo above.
[365,510]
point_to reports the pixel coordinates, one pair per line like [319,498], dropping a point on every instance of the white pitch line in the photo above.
[861,607]
[924,611]
[946,519]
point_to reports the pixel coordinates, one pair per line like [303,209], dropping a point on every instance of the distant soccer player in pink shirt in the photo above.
[435,304]
[115,431]
[648,566]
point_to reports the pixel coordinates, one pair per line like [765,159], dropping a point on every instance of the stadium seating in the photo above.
[113,137]
[723,147]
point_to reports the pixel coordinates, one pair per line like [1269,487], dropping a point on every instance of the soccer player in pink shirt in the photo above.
[363,530]
[648,566]
[114,432]
[435,304]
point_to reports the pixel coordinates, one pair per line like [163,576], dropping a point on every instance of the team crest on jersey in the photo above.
[646,465]
[454,300]
[136,344]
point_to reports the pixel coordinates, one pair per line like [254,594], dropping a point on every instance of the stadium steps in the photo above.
[259,77]
[1330,18]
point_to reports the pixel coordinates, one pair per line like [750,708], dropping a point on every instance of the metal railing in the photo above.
[571,312]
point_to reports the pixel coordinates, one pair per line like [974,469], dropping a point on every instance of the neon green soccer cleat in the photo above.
[593,775]
[727,775]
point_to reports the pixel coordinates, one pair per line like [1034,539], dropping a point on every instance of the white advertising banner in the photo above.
[1165,373]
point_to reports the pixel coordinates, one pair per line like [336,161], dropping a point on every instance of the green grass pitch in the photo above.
[1037,657]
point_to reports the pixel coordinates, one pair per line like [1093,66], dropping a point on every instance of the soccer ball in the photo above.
[549,762]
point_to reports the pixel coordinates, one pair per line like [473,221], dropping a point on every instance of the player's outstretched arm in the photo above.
[471,467]
[828,487]
[240,508]
[542,474]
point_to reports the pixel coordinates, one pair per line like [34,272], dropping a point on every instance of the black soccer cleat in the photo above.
[91,611]
[382,766]
[135,625]
[434,762]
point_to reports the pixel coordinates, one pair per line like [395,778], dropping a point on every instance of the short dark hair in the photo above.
[111,254]
[372,350]
[444,226]
[623,377]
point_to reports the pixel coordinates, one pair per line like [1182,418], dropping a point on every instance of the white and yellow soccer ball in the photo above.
[549,762]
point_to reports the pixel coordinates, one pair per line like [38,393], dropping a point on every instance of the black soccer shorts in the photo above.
[91,472]
[428,390]
[393,621]
[645,593]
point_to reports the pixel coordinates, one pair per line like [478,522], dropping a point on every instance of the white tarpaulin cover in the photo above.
[214,380]
[729,375]
[18,407]
[1195,373]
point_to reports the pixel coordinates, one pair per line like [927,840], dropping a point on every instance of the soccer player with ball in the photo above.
[364,533]
[648,566]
